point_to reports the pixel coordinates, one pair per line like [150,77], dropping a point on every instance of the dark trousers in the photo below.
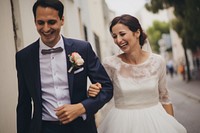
[76,126]
[53,127]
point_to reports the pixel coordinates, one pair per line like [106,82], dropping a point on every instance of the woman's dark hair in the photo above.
[55,4]
[132,23]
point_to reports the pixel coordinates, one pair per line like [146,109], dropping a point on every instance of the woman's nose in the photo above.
[118,40]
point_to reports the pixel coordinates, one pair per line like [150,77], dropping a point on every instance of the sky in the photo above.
[125,6]
[132,7]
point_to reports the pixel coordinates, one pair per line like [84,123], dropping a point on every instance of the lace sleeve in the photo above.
[106,108]
[107,67]
[162,86]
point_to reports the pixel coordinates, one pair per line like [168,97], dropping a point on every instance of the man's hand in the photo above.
[94,89]
[69,112]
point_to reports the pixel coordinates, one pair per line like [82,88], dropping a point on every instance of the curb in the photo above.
[190,95]
[181,87]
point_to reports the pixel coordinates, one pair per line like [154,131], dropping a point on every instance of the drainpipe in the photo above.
[14,25]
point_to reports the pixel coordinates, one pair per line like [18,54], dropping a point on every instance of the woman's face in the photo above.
[125,39]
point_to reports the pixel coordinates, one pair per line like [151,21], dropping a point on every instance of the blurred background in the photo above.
[172,26]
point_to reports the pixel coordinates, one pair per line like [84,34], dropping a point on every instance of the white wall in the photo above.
[71,26]
[26,22]
[86,20]
[8,81]
[27,33]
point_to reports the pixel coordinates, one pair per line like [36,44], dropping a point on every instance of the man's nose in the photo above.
[46,27]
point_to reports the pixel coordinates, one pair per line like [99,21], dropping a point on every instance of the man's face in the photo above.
[48,25]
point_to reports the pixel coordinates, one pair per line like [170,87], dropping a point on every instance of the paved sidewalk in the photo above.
[190,89]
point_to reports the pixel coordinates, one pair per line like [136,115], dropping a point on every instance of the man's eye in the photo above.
[40,22]
[51,22]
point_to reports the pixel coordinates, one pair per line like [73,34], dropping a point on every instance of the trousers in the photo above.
[55,127]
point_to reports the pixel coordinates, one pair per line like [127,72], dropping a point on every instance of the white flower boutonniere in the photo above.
[76,60]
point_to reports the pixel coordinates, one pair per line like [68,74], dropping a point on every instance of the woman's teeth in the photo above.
[123,44]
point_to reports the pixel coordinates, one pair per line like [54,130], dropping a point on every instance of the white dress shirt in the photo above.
[54,81]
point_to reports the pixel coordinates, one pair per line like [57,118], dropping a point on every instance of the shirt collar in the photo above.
[60,43]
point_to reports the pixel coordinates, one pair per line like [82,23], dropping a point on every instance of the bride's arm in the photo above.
[169,108]
[163,91]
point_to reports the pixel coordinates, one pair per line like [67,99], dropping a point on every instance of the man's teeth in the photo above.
[123,44]
[47,33]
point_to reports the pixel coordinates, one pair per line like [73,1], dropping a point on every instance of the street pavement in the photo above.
[188,88]
[185,97]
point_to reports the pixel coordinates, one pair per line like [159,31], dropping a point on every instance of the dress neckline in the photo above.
[146,61]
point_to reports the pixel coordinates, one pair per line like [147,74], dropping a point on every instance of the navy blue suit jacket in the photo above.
[29,86]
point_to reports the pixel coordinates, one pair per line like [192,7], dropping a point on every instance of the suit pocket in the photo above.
[79,70]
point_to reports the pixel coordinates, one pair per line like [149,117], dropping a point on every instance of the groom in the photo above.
[52,74]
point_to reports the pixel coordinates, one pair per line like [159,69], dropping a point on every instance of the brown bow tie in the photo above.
[53,50]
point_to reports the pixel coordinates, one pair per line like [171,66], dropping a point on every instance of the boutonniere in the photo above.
[76,61]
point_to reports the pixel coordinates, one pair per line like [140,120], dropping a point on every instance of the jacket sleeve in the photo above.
[97,73]
[24,107]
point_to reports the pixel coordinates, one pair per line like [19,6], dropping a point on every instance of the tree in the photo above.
[186,12]
[155,33]
[186,24]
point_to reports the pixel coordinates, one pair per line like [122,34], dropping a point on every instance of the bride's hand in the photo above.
[94,89]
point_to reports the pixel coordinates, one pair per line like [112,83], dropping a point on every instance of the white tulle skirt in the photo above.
[146,120]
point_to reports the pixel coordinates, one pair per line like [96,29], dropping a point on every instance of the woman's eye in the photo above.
[114,36]
[122,34]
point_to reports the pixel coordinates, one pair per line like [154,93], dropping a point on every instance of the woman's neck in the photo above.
[136,57]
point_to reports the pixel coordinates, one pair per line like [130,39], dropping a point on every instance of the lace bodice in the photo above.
[138,85]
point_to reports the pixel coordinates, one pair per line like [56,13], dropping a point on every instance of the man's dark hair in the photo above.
[55,4]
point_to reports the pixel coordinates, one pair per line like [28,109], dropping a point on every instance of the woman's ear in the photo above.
[137,33]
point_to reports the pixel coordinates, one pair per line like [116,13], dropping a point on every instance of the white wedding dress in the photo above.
[139,91]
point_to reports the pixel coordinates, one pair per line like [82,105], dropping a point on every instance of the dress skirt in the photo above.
[152,119]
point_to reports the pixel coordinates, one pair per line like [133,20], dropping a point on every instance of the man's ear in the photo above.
[62,19]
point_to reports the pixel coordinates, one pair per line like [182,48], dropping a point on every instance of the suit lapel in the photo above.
[69,50]
[36,69]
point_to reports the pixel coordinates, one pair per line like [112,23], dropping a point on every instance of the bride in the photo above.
[141,99]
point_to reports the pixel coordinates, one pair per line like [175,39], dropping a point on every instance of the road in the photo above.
[186,102]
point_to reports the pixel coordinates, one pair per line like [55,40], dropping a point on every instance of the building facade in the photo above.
[87,20]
